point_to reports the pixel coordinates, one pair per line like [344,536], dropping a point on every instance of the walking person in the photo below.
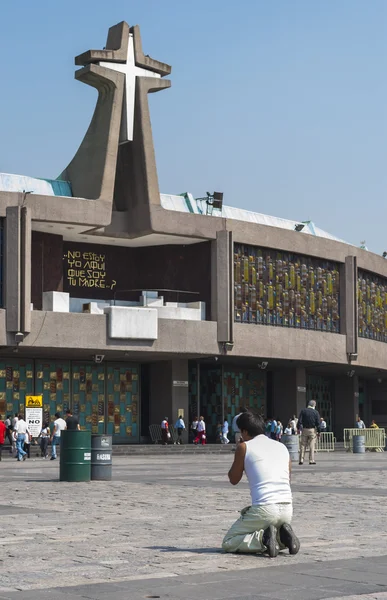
[201,432]
[72,423]
[279,431]
[323,425]
[180,427]
[265,525]
[3,432]
[194,428]
[225,439]
[27,444]
[44,439]
[293,424]
[59,426]
[20,433]
[309,424]
[165,433]
[8,424]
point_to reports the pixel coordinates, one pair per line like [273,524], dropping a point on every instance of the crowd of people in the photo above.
[274,429]
[16,431]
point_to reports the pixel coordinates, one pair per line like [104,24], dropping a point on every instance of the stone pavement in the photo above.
[155,531]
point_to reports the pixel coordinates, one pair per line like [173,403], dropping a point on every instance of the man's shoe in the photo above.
[289,538]
[269,539]
[312,463]
[53,458]
[24,457]
[301,462]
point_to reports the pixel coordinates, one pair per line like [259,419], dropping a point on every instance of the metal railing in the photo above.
[374,439]
[326,442]
[155,433]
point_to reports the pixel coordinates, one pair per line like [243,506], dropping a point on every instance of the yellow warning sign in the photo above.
[34,401]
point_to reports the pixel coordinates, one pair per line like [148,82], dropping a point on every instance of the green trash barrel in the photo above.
[101,457]
[75,456]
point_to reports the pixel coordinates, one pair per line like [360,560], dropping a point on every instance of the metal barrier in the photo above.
[375,439]
[326,442]
[155,433]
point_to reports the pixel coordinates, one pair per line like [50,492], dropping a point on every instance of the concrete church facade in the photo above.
[128,305]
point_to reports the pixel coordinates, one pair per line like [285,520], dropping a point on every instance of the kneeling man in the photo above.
[264,526]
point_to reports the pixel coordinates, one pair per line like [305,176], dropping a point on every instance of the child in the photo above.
[44,437]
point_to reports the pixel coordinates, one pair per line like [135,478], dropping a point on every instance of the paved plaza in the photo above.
[155,532]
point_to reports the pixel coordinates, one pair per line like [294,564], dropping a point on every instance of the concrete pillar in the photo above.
[12,268]
[351,328]
[25,266]
[18,269]
[289,393]
[346,403]
[169,391]
[222,286]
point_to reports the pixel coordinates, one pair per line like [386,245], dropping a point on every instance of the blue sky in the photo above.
[280,104]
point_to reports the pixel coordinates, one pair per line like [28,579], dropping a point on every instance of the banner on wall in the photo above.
[34,414]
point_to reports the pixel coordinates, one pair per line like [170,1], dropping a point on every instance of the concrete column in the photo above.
[351,327]
[169,391]
[346,403]
[12,268]
[25,267]
[289,393]
[223,290]
[18,269]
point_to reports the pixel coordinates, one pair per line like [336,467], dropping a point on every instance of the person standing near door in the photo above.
[59,426]
[309,425]
[72,423]
[21,431]
[3,431]
[180,427]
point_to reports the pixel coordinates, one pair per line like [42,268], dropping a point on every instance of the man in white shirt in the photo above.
[59,425]
[234,425]
[264,526]
[21,431]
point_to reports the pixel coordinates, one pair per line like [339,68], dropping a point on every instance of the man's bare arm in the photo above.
[235,474]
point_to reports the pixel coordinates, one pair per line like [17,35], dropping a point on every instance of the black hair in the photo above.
[251,422]
[20,416]
[57,415]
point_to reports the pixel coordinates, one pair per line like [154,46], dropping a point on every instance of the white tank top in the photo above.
[267,469]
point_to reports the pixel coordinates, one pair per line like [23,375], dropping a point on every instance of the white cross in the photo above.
[131,71]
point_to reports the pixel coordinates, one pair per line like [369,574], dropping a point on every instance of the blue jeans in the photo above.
[19,445]
[55,442]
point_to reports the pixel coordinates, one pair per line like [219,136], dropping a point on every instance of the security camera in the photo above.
[216,358]
[98,358]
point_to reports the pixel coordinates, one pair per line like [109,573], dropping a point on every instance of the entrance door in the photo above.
[88,396]
[320,389]
[123,393]
[52,381]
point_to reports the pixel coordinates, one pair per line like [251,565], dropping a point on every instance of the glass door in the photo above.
[123,396]
[88,396]
[52,381]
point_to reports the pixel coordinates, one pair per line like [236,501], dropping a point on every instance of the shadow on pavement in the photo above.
[216,550]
